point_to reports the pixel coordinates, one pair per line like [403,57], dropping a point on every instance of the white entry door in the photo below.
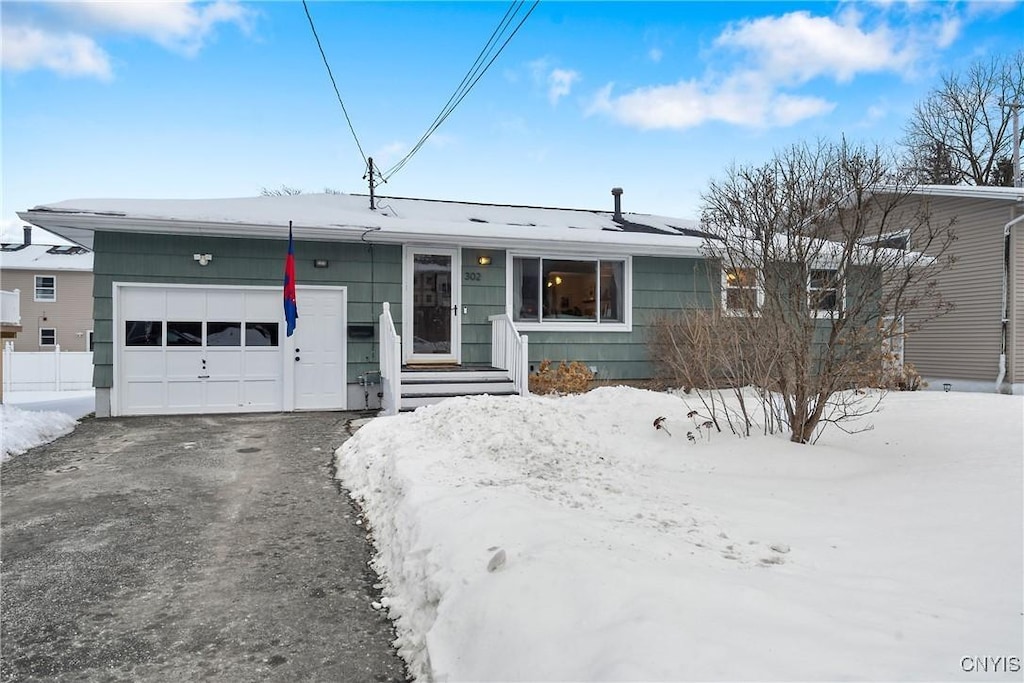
[430,310]
[318,349]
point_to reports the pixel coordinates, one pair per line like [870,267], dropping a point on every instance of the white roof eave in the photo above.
[80,227]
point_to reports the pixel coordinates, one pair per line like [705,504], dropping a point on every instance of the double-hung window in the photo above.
[46,288]
[47,336]
[825,292]
[570,293]
[742,291]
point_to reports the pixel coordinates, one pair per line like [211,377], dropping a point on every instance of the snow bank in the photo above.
[25,429]
[567,539]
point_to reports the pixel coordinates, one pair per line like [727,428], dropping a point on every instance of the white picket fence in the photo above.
[46,370]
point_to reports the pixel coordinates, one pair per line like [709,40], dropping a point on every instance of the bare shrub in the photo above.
[566,378]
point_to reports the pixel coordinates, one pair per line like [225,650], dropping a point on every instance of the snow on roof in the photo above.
[970,191]
[44,257]
[344,216]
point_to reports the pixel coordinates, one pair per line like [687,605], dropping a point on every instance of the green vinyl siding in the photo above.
[483,295]
[372,274]
[660,285]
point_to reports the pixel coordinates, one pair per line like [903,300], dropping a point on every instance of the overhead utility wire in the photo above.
[333,82]
[475,73]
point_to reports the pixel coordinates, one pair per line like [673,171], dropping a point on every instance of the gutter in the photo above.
[1005,317]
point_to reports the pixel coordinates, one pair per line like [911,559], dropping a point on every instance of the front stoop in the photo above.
[424,387]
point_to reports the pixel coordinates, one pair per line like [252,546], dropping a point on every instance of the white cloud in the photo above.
[65,37]
[68,54]
[773,63]
[180,26]
[555,81]
[948,31]
[798,47]
[742,100]
[655,54]
[560,82]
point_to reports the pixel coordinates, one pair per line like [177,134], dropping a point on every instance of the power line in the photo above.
[333,82]
[473,75]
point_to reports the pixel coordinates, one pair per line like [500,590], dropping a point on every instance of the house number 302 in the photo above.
[472,276]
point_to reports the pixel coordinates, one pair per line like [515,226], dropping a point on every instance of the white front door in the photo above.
[319,349]
[431,301]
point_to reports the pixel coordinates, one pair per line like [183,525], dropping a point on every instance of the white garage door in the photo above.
[199,350]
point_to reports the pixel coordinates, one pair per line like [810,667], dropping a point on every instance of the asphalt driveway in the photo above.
[188,548]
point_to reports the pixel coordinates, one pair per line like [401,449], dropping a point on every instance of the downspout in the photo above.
[1005,317]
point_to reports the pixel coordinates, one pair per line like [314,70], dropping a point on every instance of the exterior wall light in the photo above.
[320,263]
[483,260]
[203,259]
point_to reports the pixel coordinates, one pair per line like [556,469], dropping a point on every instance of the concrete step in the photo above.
[423,376]
[458,388]
[413,402]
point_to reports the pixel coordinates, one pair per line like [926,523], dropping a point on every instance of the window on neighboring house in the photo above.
[47,336]
[88,341]
[742,291]
[824,292]
[570,293]
[46,288]
[893,240]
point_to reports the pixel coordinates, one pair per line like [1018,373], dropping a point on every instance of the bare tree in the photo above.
[283,191]
[961,132]
[812,288]
[286,191]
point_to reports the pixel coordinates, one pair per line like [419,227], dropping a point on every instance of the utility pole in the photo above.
[370,174]
[1015,106]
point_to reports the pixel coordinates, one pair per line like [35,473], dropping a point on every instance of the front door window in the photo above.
[432,304]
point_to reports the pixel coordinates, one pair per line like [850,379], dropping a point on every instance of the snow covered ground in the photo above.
[32,418]
[567,539]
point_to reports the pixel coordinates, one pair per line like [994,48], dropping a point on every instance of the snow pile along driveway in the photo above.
[567,539]
[25,429]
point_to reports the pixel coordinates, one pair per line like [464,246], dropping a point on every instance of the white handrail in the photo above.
[390,363]
[510,351]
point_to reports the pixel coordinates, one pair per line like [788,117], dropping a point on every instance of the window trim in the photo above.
[36,287]
[51,329]
[588,326]
[828,313]
[758,288]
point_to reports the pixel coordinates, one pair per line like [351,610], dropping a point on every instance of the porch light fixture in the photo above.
[946,386]
[203,259]
[320,263]
[483,260]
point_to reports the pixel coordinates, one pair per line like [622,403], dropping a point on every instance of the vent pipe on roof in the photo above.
[28,235]
[617,193]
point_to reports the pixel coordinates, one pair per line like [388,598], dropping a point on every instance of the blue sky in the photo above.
[133,99]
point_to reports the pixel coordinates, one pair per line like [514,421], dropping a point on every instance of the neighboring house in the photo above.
[980,343]
[55,285]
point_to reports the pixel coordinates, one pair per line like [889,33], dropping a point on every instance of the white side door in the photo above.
[318,349]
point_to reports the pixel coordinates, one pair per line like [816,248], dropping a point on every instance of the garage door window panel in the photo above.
[143,333]
[180,333]
[223,334]
[261,334]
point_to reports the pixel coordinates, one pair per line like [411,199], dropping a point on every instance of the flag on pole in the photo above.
[291,309]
